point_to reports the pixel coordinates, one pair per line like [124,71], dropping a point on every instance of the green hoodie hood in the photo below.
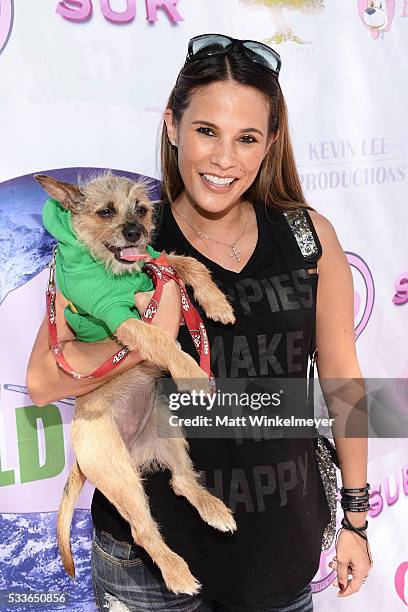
[100,301]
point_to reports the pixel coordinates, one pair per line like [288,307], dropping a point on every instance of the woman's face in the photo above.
[222,139]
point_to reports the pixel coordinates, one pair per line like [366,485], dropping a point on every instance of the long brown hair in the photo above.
[277,184]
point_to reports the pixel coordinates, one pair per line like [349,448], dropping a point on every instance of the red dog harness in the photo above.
[161,272]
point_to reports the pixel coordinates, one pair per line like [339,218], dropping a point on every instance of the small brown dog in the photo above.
[121,430]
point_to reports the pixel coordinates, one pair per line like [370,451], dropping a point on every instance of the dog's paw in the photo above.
[223,316]
[219,309]
[177,576]
[214,512]
[188,375]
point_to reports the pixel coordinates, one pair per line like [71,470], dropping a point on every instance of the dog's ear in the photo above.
[69,195]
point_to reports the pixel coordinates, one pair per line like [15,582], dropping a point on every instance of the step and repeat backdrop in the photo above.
[83,85]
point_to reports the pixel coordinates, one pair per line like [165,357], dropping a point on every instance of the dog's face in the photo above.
[376,15]
[112,215]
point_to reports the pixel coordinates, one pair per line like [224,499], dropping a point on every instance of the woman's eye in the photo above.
[105,212]
[204,128]
[249,140]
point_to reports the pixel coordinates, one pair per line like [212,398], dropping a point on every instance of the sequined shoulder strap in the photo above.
[304,231]
[309,244]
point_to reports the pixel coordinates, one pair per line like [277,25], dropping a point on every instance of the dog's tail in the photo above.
[72,489]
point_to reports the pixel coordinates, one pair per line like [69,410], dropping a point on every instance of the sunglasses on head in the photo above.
[214,44]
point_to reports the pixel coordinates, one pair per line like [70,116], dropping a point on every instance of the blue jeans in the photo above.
[122,581]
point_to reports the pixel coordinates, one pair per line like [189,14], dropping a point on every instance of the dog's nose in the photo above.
[131,232]
[370,11]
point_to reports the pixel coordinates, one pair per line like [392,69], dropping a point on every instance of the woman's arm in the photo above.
[337,358]
[46,382]
[343,387]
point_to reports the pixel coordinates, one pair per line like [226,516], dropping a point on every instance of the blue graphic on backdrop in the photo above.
[25,246]
[29,560]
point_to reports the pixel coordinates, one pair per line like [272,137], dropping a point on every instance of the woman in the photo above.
[228,175]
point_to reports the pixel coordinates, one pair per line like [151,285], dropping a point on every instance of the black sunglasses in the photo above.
[214,44]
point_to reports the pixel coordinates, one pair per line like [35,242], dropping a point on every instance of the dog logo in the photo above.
[378,15]
[6,22]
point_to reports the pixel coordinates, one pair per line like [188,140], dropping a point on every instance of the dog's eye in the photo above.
[105,212]
[140,210]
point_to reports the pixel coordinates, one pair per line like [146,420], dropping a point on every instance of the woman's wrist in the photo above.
[351,502]
[357,519]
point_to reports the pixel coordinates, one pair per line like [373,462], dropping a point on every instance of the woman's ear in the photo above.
[170,126]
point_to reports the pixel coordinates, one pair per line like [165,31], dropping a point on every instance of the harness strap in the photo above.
[161,272]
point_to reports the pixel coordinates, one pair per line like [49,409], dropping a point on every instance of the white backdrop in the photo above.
[89,91]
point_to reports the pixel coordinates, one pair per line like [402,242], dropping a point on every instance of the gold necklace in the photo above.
[235,252]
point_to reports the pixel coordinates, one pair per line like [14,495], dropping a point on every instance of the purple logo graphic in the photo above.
[363,299]
[6,22]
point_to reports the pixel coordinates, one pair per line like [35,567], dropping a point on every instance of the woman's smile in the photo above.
[216,183]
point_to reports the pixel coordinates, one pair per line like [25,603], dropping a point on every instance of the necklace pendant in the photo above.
[235,253]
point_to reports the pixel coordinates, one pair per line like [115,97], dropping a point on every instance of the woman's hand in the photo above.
[351,558]
[165,318]
[46,382]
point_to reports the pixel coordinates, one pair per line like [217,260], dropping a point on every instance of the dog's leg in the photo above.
[107,464]
[170,449]
[206,292]
[159,348]
[72,489]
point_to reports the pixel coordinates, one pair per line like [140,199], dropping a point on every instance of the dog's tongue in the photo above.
[132,254]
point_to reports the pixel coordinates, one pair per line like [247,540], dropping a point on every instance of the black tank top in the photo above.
[272,485]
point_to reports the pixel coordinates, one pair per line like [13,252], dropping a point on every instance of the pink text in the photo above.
[81,10]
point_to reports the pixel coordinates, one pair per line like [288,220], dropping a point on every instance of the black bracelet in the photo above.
[349,496]
[350,502]
[353,528]
[355,490]
[362,510]
[360,500]
[355,504]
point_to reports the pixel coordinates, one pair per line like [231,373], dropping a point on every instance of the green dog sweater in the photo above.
[100,301]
